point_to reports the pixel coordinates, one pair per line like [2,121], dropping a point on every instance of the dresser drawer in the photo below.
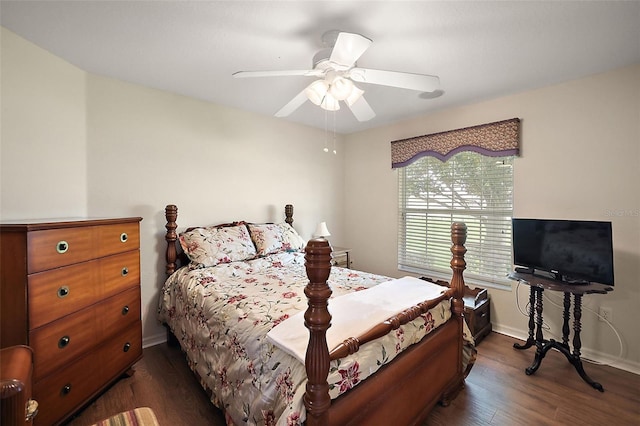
[481,316]
[59,292]
[118,238]
[57,344]
[121,351]
[53,248]
[119,272]
[61,393]
[119,311]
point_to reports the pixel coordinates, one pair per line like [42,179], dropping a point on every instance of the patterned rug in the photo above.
[143,416]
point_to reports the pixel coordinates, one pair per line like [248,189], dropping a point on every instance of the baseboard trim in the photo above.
[154,340]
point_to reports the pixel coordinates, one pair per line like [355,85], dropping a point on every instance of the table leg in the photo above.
[541,350]
[577,344]
[565,319]
[530,340]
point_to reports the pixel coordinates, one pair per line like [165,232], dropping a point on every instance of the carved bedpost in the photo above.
[171,215]
[317,319]
[288,212]
[458,264]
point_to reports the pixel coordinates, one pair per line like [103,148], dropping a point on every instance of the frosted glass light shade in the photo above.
[317,91]
[341,88]
[322,230]
[330,103]
[355,94]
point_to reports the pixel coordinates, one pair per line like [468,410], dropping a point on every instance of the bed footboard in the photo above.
[430,371]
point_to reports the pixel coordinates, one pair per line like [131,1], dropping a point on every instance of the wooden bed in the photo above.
[402,392]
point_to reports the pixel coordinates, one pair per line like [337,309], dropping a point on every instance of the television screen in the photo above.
[572,250]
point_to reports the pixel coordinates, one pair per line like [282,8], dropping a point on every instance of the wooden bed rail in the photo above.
[352,344]
[318,319]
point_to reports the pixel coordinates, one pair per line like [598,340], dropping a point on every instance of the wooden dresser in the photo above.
[71,291]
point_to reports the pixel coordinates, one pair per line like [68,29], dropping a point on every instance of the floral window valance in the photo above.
[497,139]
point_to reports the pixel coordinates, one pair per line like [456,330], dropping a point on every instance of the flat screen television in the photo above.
[573,251]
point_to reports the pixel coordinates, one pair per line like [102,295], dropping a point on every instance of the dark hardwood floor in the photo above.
[497,392]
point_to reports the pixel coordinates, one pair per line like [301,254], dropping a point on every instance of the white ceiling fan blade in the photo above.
[419,82]
[361,109]
[348,48]
[293,104]
[307,73]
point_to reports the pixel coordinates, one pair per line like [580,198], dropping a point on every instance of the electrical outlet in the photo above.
[606,314]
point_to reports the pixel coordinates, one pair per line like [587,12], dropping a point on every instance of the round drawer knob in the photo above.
[62,247]
[125,310]
[124,271]
[63,291]
[66,389]
[63,342]
[126,347]
[124,237]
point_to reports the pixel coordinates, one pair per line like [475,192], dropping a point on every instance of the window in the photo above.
[470,188]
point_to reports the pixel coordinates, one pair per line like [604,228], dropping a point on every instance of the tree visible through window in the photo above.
[470,188]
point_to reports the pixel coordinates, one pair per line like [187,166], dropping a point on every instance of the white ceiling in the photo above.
[479,49]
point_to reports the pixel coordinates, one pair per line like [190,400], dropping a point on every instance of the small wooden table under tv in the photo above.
[538,285]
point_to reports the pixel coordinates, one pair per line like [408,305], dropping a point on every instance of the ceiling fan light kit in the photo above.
[336,67]
[318,92]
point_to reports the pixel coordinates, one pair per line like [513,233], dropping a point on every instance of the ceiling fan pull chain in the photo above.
[326,130]
[334,133]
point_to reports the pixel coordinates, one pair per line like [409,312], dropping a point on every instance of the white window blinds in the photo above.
[470,188]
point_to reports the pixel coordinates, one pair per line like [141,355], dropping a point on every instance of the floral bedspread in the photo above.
[221,316]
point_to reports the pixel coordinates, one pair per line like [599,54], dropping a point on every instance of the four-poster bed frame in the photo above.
[401,392]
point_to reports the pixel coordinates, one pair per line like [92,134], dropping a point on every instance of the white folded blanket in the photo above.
[355,313]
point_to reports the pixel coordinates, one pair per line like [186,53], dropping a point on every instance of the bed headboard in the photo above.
[175,257]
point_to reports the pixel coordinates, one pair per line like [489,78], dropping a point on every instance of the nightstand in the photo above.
[476,309]
[477,312]
[341,256]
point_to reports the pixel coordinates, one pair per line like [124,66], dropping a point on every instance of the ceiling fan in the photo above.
[336,70]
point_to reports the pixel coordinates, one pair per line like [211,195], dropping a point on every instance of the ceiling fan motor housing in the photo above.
[321,59]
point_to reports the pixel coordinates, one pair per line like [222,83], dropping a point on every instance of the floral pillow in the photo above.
[275,237]
[211,246]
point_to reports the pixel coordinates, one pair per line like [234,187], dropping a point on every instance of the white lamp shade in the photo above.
[355,94]
[322,230]
[330,103]
[341,88]
[317,91]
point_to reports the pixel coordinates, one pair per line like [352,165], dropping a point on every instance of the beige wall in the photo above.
[76,144]
[101,147]
[148,148]
[580,159]
[43,149]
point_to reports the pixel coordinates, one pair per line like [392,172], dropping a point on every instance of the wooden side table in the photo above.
[538,285]
[477,310]
[341,256]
